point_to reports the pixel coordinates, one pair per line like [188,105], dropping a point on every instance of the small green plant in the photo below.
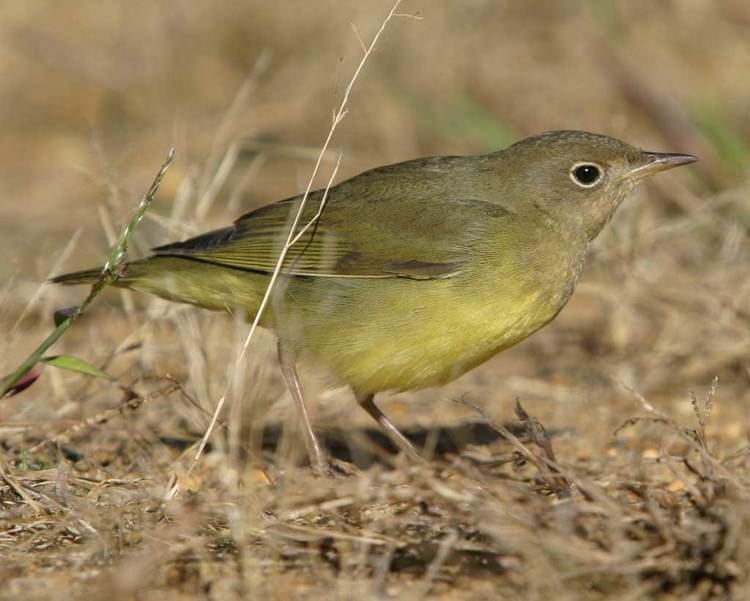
[31,368]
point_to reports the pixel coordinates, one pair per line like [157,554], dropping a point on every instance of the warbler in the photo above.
[413,273]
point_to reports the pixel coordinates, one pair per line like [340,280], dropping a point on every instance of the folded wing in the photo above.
[365,237]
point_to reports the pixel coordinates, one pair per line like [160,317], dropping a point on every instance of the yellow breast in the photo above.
[401,334]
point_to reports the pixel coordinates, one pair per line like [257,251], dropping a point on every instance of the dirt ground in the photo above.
[623,474]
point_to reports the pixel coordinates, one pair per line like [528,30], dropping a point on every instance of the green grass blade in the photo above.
[110,274]
[72,363]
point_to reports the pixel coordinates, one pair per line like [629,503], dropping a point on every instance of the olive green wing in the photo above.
[357,238]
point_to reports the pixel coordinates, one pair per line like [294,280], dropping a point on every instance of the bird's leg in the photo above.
[367,402]
[315,453]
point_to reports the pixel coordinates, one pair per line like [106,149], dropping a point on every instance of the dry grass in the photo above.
[646,494]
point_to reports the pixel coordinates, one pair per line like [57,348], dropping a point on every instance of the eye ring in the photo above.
[586,174]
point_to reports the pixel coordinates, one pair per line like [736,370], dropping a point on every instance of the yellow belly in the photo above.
[400,334]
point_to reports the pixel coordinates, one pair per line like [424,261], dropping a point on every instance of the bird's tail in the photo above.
[129,273]
[184,280]
[87,276]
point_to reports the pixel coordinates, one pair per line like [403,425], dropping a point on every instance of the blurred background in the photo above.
[94,94]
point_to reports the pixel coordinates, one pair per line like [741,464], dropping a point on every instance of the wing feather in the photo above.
[358,235]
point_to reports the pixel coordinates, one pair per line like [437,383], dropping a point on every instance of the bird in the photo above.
[413,273]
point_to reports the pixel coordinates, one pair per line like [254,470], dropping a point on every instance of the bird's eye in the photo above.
[586,175]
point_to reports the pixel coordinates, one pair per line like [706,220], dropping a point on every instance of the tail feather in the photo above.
[184,280]
[130,272]
[87,276]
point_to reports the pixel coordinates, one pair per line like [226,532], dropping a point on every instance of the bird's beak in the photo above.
[653,162]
